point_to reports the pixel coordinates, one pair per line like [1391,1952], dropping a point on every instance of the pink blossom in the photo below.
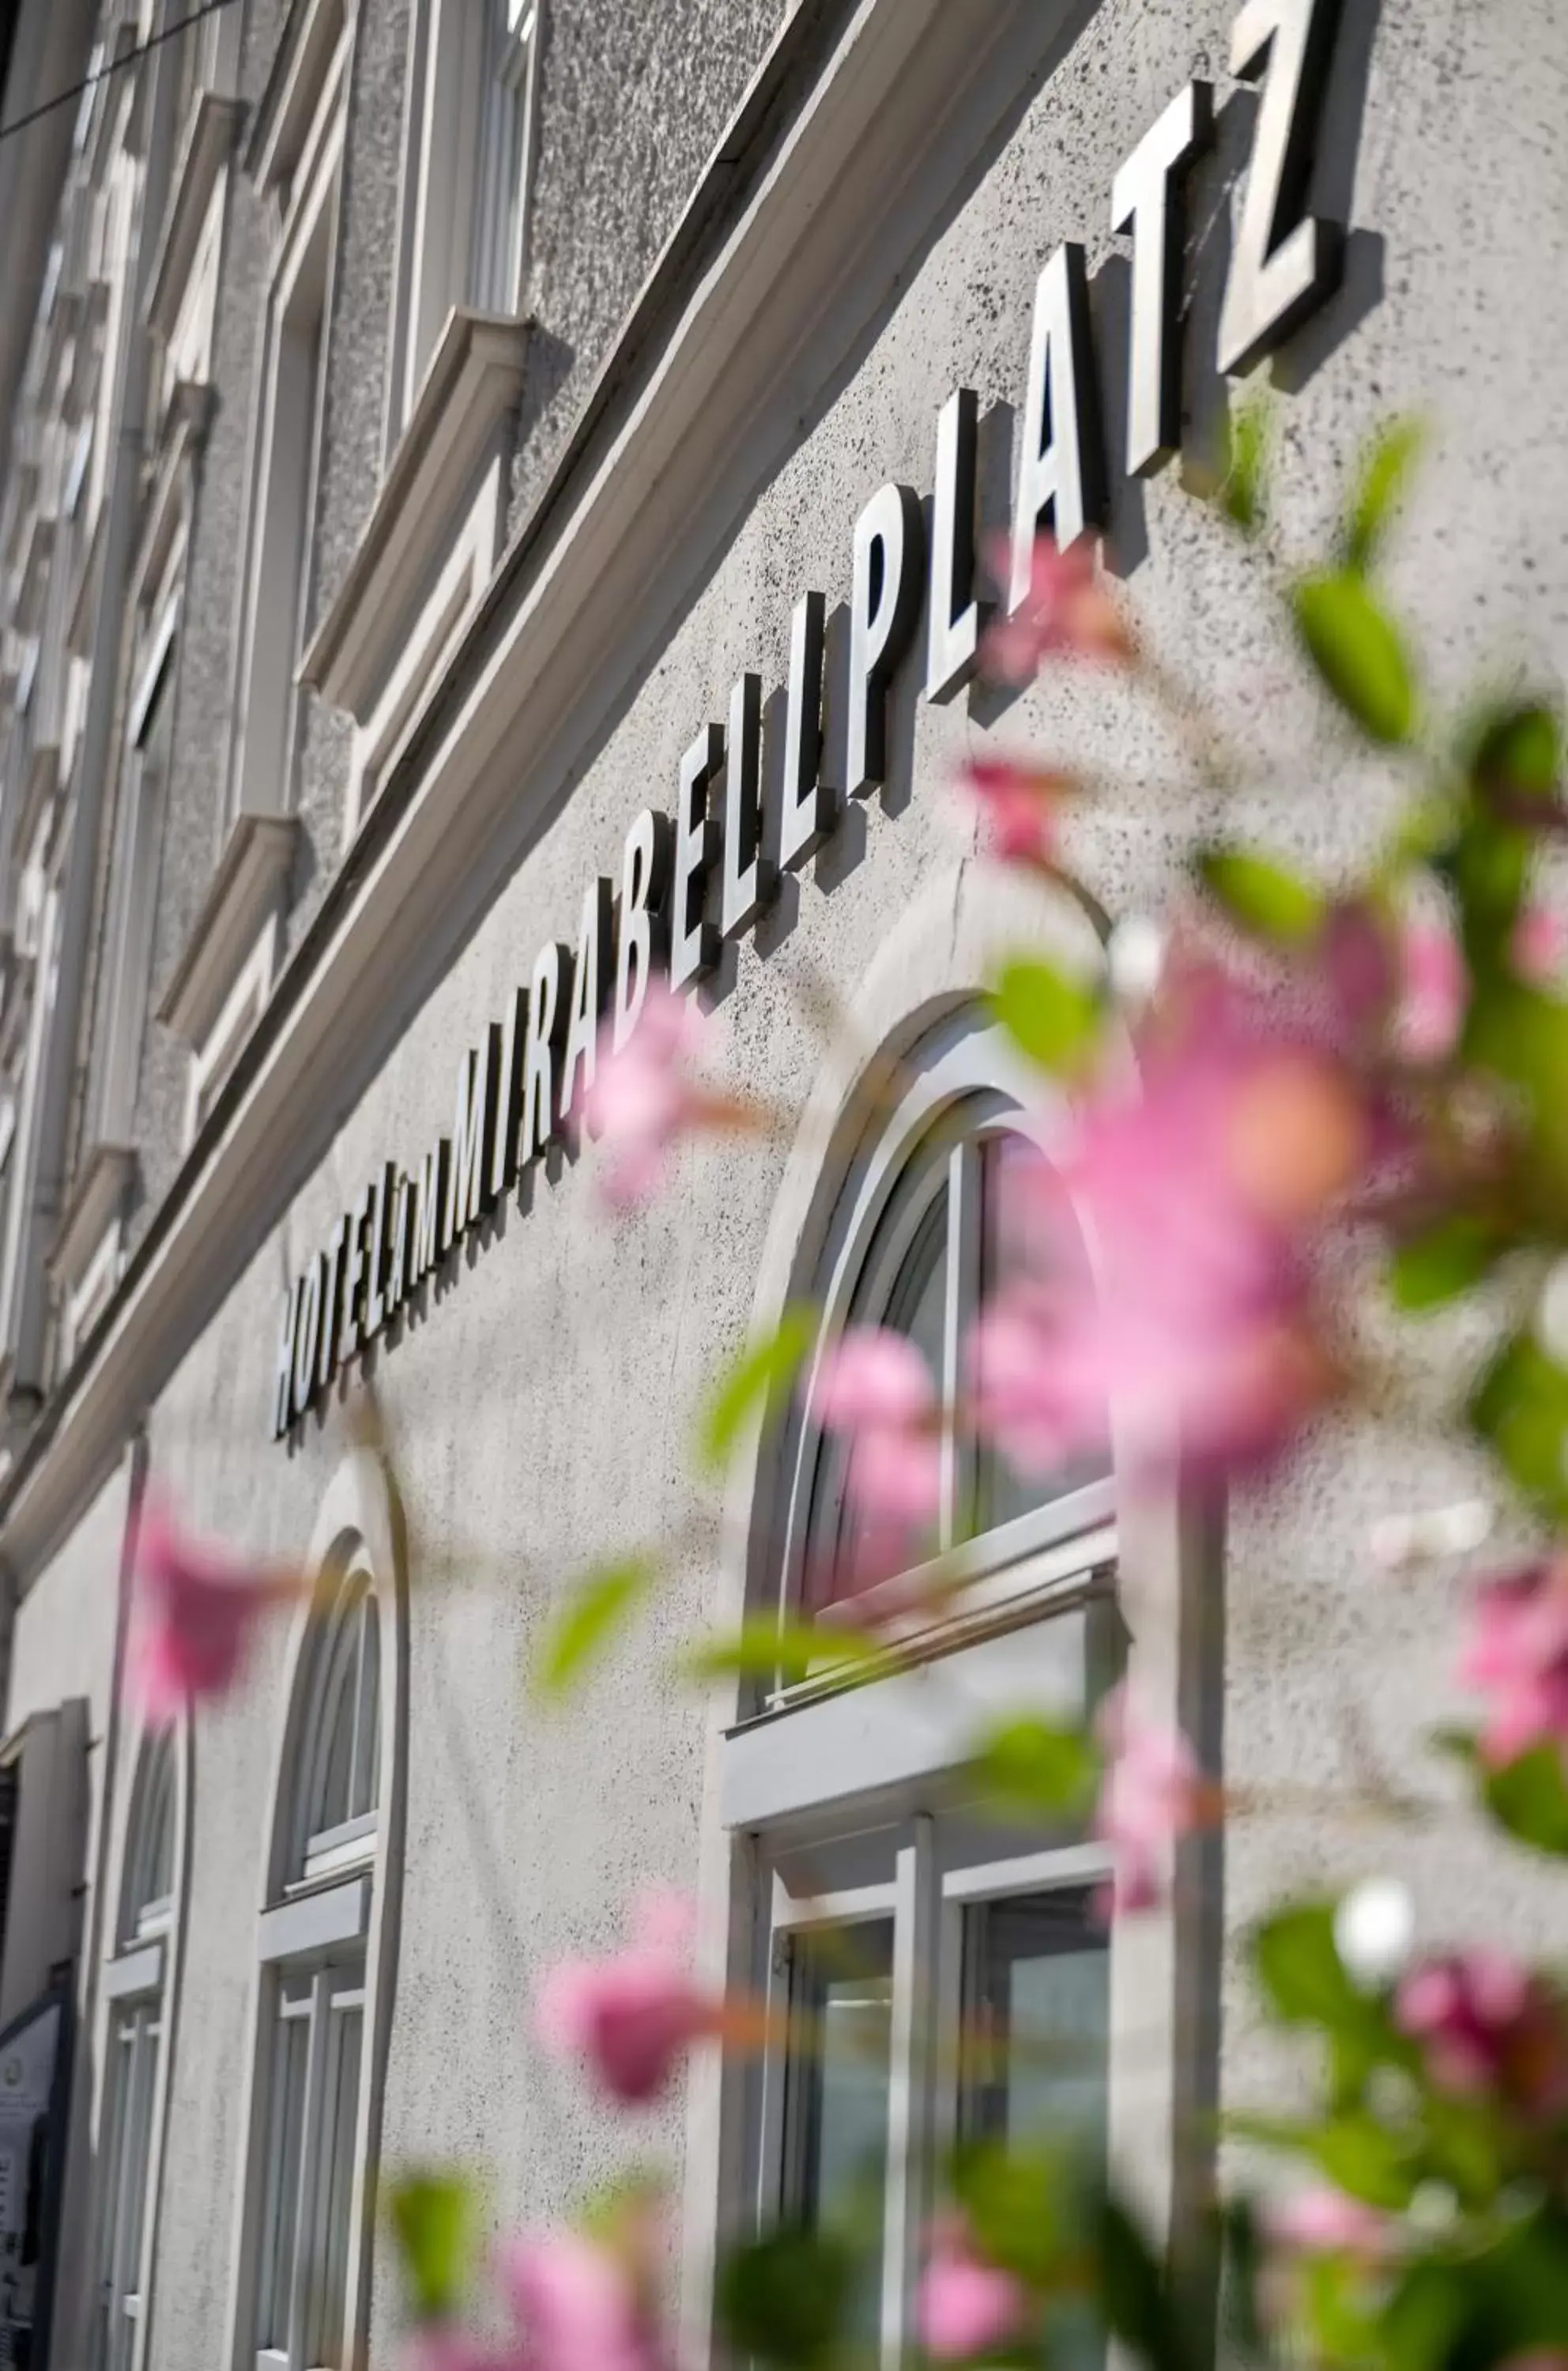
[873,1384]
[633,2017]
[1199,1200]
[1066,611]
[1486,2024]
[1434,994]
[1324,2222]
[1517,1657]
[194,1612]
[641,1100]
[966,2307]
[1539,947]
[1019,804]
[1153,1792]
[581,2305]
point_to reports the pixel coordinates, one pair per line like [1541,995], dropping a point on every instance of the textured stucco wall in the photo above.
[540,1404]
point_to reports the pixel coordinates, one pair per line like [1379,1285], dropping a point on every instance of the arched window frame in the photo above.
[963,1087]
[326,1941]
[842,1802]
[139,1991]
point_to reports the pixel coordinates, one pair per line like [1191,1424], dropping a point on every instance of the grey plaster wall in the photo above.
[540,1404]
[632,102]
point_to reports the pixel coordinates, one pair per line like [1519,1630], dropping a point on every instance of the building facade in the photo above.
[495,499]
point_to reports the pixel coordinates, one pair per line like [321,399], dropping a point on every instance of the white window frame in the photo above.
[138,1999]
[448,177]
[936,1870]
[140,854]
[287,450]
[844,1758]
[327,1940]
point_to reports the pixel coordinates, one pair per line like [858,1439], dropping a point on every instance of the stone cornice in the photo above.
[208,143]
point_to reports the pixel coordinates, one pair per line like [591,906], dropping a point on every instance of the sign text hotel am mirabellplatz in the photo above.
[728,842]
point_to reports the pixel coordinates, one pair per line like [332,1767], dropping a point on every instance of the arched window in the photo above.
[894,1917]
[325,1940]
[917,1241]
[138,1989]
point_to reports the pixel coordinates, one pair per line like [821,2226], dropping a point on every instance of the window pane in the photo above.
[281,2198]
[330,2267]
[846,1549]
[367,1734]
[837,2093]
[1039,2000]
[1004,1491]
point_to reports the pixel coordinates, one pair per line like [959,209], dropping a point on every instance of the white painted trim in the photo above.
[339,1914]
[214,1057]
[203,156]
[359,1522]
[133,1972]
[246,893]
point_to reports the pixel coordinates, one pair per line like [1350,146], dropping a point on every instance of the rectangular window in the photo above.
[132,2070]
[933,1985]
[308,2197]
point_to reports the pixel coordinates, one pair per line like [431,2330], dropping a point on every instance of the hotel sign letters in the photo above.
[691,880]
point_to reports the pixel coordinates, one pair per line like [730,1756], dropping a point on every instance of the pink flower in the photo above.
[194,1612]
[1517,1656]
[1020,804]
[1541,946]
[1066,610]
[580,2306]
[1324,2222]
[1487,2024]
[1435,994]
[873,1384]
[632,2018]
[641,1100]
[966,2306]
[1153,1792]
[1200,1199]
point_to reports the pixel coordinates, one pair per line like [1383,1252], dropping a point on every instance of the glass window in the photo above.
[925,1243]
[345,1744]
[836,2105]
[501,193]
[308,2195]
[1037,1999]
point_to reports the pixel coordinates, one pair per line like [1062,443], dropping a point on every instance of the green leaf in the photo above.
[1134,2295]
[435,2221]
[1447,1260]
[1520,1408]
[1358,652]
[1014,2201]
[766,1648]
[1529,1798]
[1244,494]
[1053,1019]
[1036,1767]
[1518,751]
[1422,2317]
[582,1628]
[1380,489]
[1298,1965]
[1362,2157]
[1263,897]
[764,1368]
[782,2298]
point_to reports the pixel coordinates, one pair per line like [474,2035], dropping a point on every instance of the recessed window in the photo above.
[325,1945]
[137,1985]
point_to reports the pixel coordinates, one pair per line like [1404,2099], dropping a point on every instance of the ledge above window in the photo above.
[89,1252]
[436,478]
[208,144]
[246,891]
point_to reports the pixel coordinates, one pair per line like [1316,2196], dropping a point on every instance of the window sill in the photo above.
[425,501]
[246,890]
[207,147]
[97,1208]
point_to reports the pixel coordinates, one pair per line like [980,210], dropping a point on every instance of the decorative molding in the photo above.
[340,1913]
[474,380]
[302,67]
[246,887]
[186,421]
[97,1203]
[84,598]
[208,146]
[37,556]
[38,786]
